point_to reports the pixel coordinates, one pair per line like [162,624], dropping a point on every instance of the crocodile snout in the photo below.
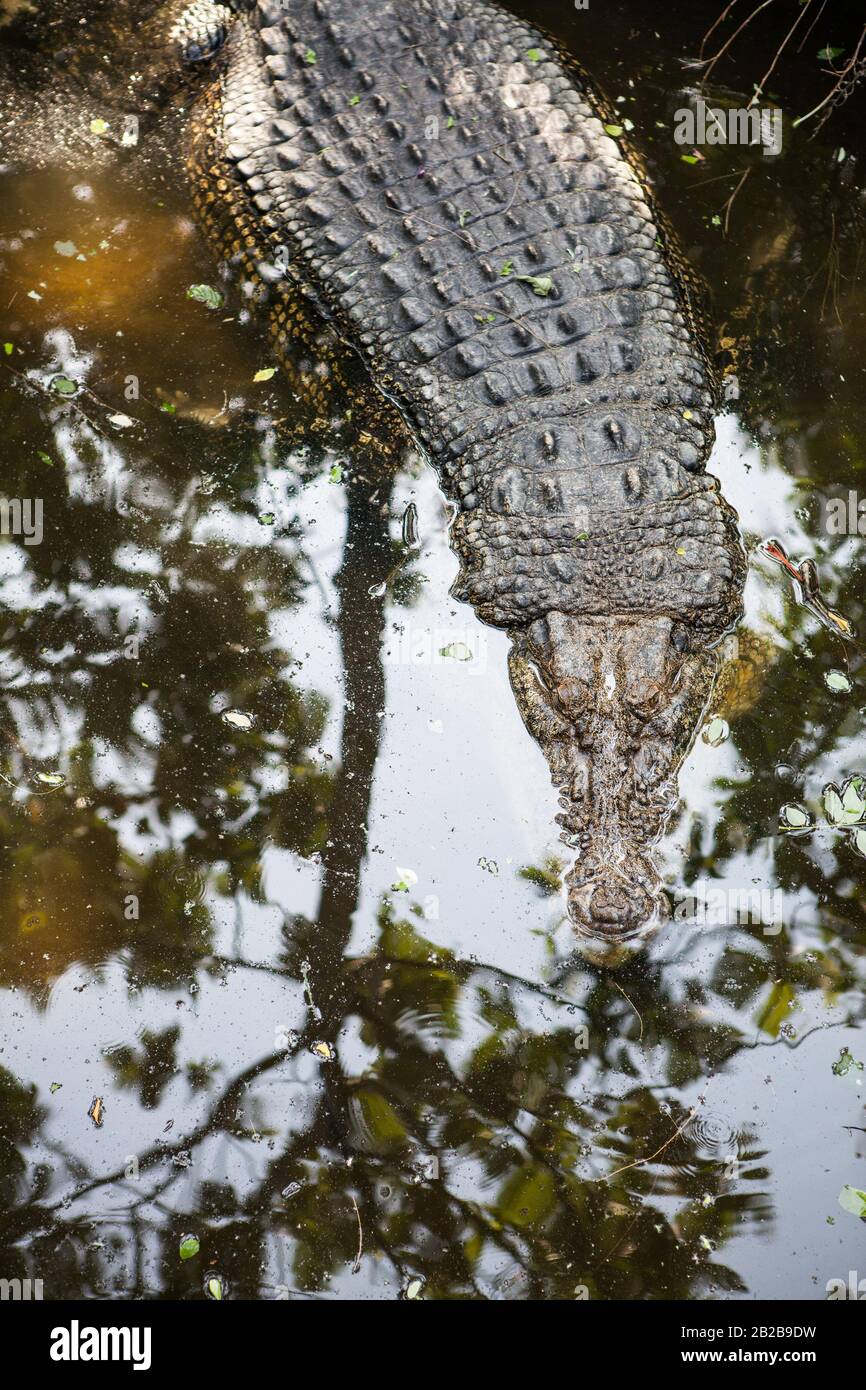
[615,899]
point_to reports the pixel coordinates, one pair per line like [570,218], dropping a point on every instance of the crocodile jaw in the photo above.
[614,703]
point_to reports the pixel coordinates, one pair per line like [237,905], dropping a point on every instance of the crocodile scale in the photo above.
[445,182]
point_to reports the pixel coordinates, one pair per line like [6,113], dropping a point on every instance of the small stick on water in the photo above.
[357,1265]
[634,1006]
[639,1162]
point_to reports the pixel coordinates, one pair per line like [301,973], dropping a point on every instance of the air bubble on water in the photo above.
[377,590]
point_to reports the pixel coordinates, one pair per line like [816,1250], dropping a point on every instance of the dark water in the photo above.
[338,1034]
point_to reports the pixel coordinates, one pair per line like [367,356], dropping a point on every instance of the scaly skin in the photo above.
[398,168]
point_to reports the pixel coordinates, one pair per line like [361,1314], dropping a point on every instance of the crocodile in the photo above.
[438,182]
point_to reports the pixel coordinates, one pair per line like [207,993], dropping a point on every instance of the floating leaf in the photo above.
[64,385]
[55,1086]
[827,54]
[406,879]
[689,158]
[205,294]
[265,374]
[793,817]
[833,807]
[214,1286]
[845,1063]
[324,1051]
[310,57]
[838,682]
[189,1246]
[507,268]
[169,407]
[489,865]
[8,349]
[50,779]
[716,732]
[534,55]
[336,474]
[456,651]
[237,719]
[98,126]
[854,800]
[614,130]
[414,1287]
[353,100]
[97,1111]
[853,1200]
[539,284]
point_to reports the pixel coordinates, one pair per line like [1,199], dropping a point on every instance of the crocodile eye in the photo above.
[573,696]
[539,635]
[643,696]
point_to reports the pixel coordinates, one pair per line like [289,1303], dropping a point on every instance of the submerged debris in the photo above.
[807,589]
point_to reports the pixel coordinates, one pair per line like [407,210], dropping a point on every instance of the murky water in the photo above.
[279,874]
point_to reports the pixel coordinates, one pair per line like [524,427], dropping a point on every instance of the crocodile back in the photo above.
[447,192]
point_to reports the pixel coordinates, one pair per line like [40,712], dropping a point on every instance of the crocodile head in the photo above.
[614,703]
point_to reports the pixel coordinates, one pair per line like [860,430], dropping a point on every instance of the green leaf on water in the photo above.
[214,1286]
[854,1200]
[205,294]
[98,126]
[169,407]
[55,1086]
[456,651]
[310,57]
[539,284]
[64,386]
[336,474]
[534,55]
[838,682]
[353,100]
[8,348]
[689,158]
[449,124]
[854,800]
[826,55]
[833,807]
[507,268]
[793,817]
[189,1246]
[614,130]
[845,1063]
[265,374]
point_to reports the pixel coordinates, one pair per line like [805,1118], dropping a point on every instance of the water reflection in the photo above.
[339,1032]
